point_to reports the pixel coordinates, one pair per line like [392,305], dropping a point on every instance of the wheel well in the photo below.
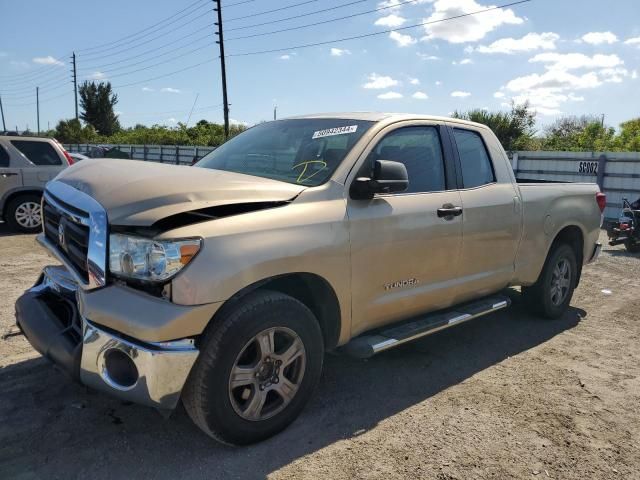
[572,236]
[18,193]
[313,291]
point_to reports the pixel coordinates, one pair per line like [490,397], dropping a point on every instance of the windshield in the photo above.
[300,151]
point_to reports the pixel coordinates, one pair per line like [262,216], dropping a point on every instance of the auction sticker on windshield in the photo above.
[329,132]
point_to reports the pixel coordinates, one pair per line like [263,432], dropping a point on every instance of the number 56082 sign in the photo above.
[588,168]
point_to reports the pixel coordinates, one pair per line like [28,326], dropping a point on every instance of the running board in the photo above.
[369,344]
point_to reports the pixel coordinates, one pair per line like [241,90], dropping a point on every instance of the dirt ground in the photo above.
[504,396]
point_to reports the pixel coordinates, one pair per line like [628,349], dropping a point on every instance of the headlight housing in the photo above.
[143,259]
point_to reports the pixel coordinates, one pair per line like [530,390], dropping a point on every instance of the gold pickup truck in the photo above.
[223,284]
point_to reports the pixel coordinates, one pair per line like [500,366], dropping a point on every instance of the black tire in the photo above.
[632,246]
[11,211]
[539,296]
[207,395]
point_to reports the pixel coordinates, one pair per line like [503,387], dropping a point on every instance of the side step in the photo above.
[370,343]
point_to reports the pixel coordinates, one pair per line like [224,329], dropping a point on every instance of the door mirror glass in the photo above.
[388,177]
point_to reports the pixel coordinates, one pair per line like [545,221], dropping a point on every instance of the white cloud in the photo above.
[147,89]
[118,112]
[460,94]
[420,96]
[285,57]
[633,41]
[401,39]
[389,96]
[425,56]
[97,76]
[553,79]
[171,120]
[530,42]
[170,90]
[380,81]
[438,83]
[573,61]
[414,81]
[614,75]
[598,38]
[392,20]
[634,74]
[499,95]
[464,61]
[48,60]
[575,98]
[468,29]
[237,122]
[338,52]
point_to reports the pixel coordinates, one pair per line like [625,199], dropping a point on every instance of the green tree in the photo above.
[629,138]
[585,133]
[514,129]
[72,131]
[97,101]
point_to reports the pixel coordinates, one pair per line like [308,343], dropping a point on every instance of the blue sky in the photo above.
[567,57]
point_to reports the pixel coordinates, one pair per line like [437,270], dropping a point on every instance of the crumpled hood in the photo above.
[140,193]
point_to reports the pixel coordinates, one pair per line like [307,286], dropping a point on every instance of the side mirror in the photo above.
[388,177]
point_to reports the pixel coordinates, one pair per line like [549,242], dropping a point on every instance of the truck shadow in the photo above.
[90,434]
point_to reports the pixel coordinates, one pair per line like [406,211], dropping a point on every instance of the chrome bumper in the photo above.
[160,370]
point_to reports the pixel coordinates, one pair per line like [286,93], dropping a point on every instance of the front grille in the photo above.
[75,237]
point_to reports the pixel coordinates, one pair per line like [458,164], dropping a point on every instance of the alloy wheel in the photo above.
[28,215]
[267,374]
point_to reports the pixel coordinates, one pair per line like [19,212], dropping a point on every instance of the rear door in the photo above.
[404,253]
[491,216]
[10,174]
[45,162]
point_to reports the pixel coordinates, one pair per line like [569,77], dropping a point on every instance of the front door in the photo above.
[404,252]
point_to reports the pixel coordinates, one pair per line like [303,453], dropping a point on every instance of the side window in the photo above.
[420,150]
[39,153]
[4,157]
[474,159]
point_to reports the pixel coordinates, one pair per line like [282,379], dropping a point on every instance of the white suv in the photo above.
[26,165]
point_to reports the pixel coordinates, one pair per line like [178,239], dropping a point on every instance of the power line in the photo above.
[163,62]
[373,34]
[238,3]
[142,54]
[270,11]
[298,16]
[203,2]
[29,85]
[126,48]
[321,22]
[164,75]
[38,70]
[30,104]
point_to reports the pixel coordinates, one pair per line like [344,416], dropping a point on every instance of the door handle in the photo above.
[449,211]
[8,174]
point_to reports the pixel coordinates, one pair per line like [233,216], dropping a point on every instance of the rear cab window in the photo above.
[475,163]
[39,153]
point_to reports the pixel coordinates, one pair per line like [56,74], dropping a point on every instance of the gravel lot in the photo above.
[505,396]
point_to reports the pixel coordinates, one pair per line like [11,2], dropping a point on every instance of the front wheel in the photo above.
[258,366]
[551,294]
[23,214]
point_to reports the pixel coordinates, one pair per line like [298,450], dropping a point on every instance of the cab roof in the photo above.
[387,117]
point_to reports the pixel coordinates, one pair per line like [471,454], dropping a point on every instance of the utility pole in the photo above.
[75,81]
[275,111]
[38,107]
[4,126]
[223,70]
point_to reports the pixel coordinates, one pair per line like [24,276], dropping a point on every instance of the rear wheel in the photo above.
[258,366]
[23,213]
[551,294]
[632,246]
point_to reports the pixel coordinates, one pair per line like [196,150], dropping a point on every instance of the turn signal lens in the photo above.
[187,252]
[601,198]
